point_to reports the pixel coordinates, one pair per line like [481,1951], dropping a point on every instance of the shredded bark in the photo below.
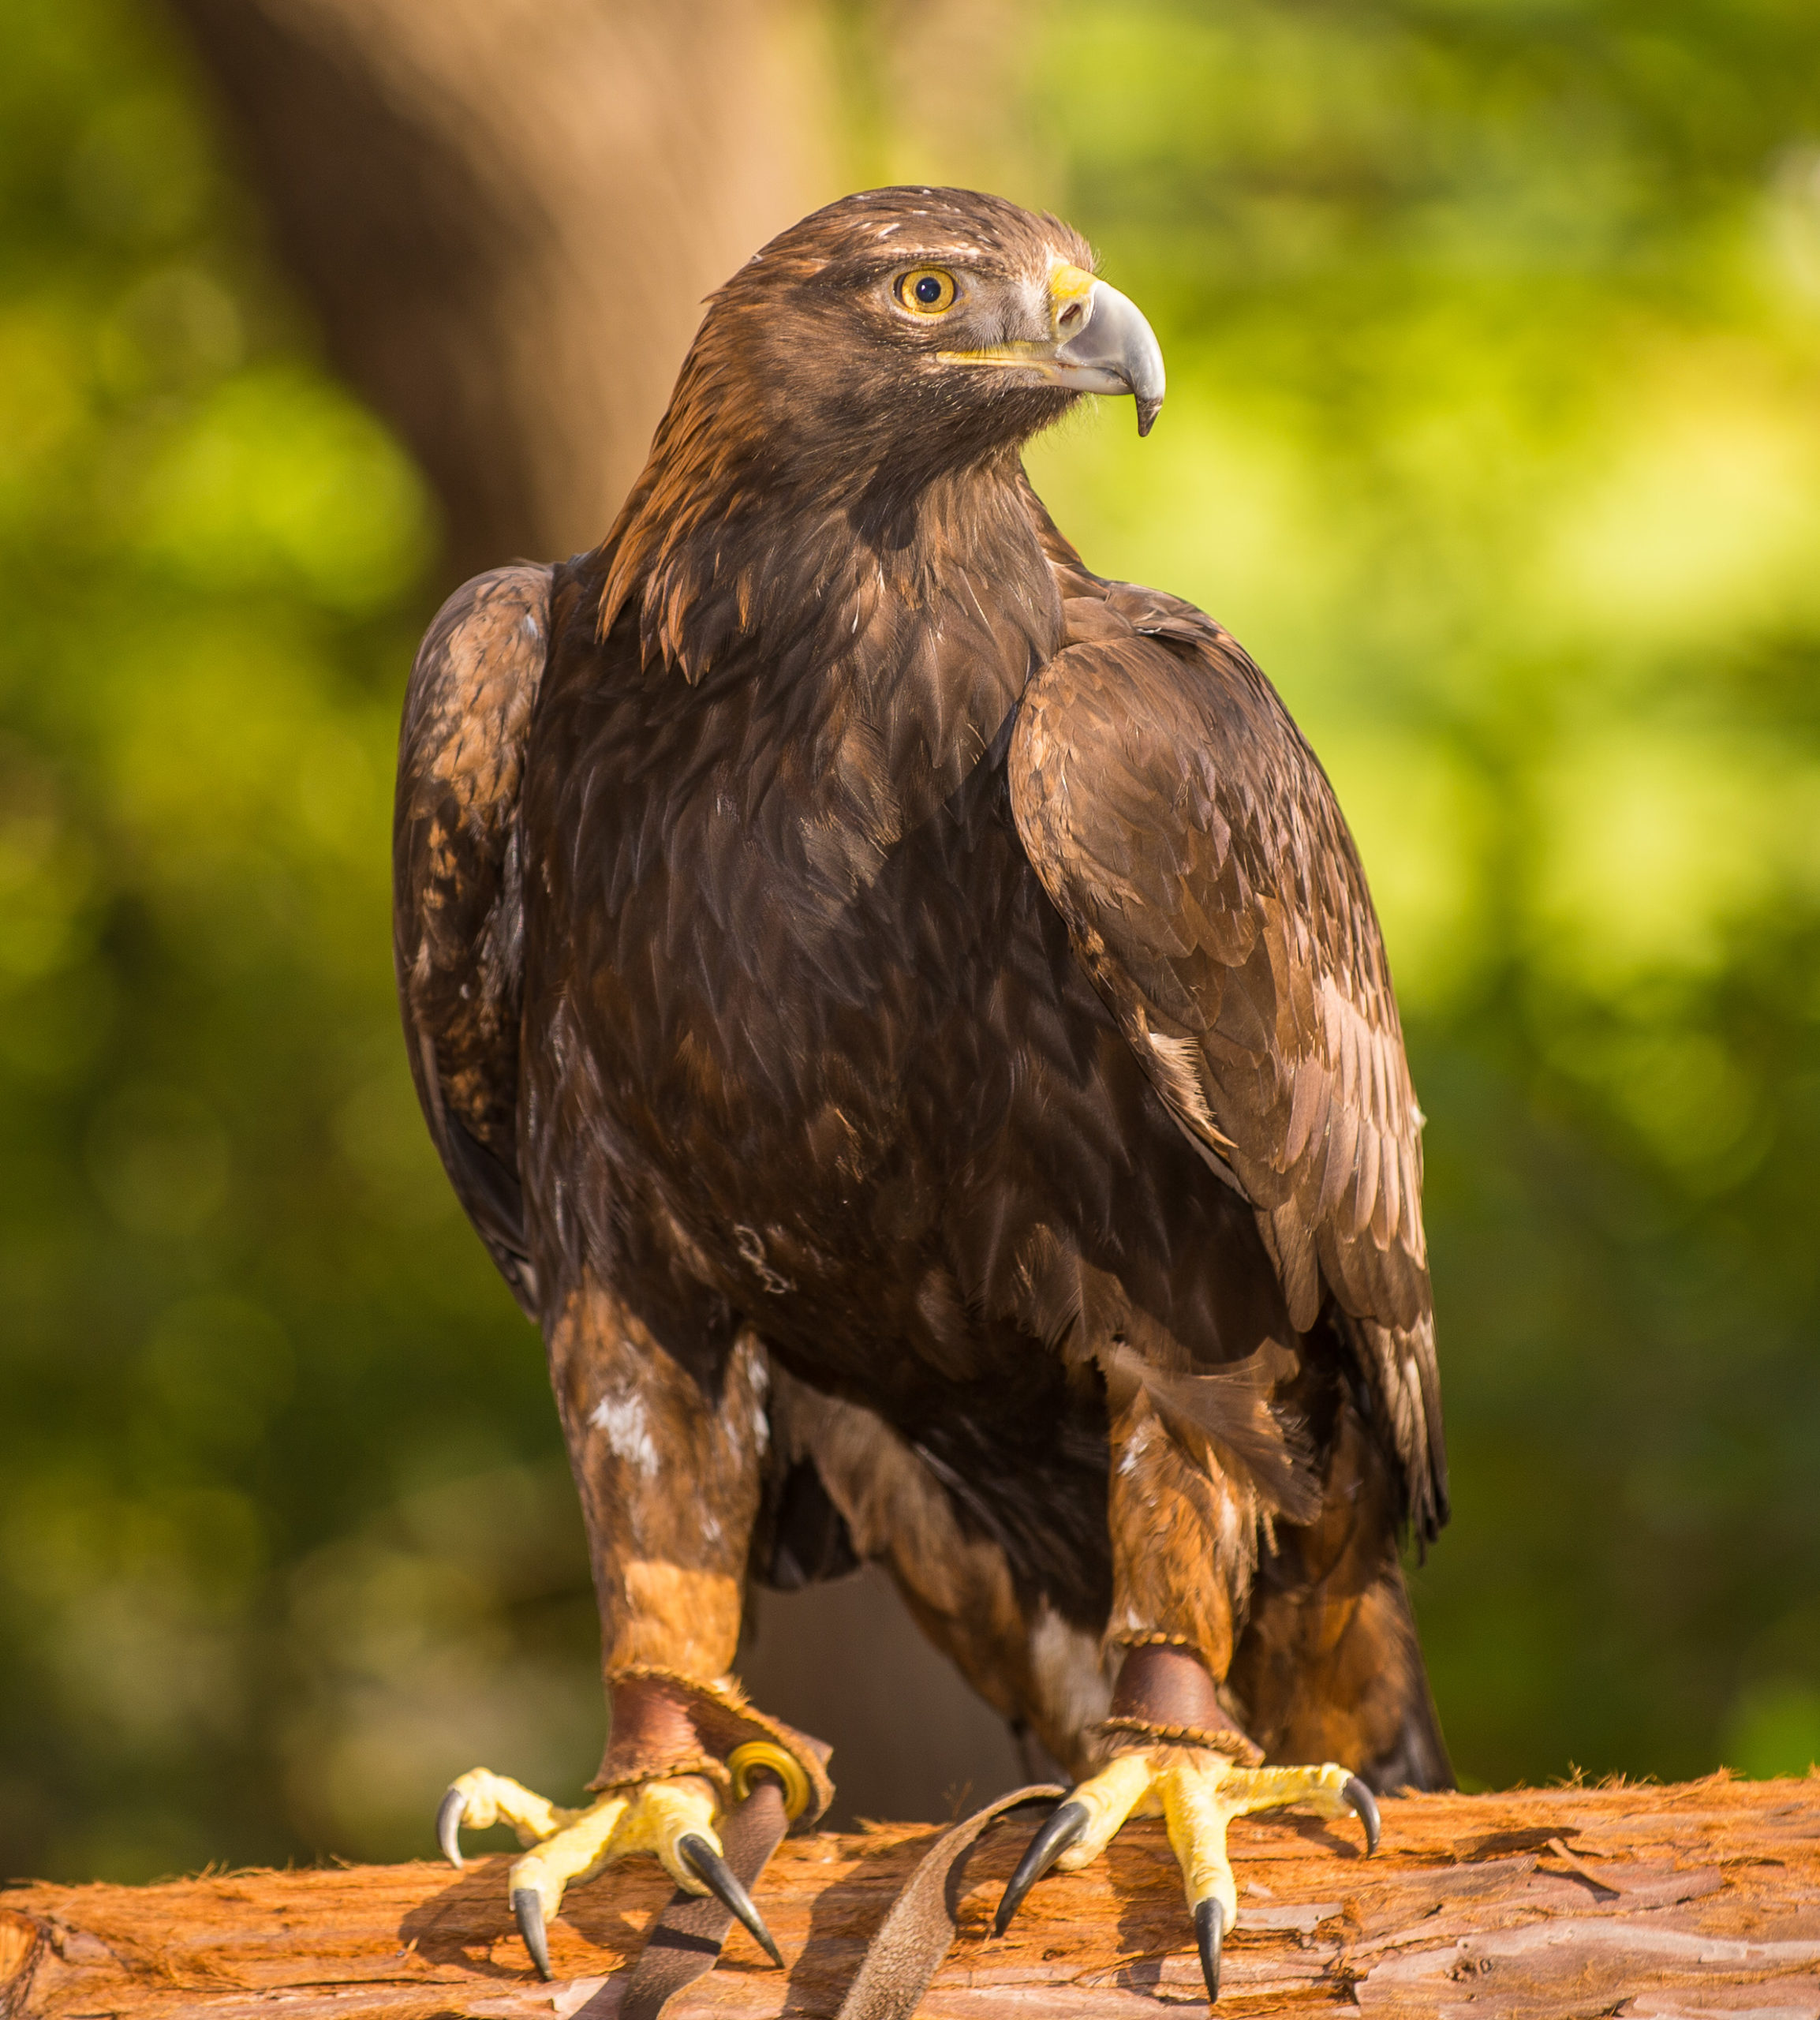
[1635,1900]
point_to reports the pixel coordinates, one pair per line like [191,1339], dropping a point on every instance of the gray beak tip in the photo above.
[1147,412]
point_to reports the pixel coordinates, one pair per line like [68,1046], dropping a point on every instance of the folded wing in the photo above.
[1188,837]
[457,899]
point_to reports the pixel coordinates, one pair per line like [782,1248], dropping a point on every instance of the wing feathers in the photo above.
[1307,1101]
[1186,835]
[457,914]
[1365,1189]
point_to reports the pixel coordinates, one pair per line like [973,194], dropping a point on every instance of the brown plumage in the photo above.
[907,1017]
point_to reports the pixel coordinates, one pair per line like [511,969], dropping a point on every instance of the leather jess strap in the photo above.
[919,1932]
[684,1940]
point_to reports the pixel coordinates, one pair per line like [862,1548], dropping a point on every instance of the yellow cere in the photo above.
[1068,284]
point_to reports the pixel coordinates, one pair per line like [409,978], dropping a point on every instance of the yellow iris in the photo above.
[926,290]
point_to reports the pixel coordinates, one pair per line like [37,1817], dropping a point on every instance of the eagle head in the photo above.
[887,343]
[934,324]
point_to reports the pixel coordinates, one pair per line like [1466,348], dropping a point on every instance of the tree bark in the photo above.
[506,213]
[1646,1901]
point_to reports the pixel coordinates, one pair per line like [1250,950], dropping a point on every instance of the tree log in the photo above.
[1639,1900]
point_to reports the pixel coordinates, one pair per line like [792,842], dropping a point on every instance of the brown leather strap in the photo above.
[684,1940]
[919,1931]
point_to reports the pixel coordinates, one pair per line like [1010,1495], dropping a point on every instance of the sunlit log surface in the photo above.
[1640,1901]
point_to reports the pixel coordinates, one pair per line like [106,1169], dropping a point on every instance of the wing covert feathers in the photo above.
[457,889]
[1190,840]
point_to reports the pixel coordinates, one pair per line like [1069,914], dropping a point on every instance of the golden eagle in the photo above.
[906,1016]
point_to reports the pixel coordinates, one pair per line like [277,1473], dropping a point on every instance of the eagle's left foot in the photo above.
[1177,1760]
[1198,1792]
[674,1819]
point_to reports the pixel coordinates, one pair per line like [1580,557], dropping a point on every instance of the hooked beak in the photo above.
[1100,343]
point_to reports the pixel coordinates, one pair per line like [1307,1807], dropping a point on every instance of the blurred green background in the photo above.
[1494,333]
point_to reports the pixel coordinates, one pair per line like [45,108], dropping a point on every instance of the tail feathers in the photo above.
[1329,1667]
[1328,1676]
[1419,1759]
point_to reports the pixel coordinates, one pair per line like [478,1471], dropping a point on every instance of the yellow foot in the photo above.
[1198,1792]
[673,1819]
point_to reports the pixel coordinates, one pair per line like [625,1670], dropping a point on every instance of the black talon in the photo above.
[1056,1835]
[1209,1932]
[733,1897]
[528,1912]
[1366,1803]
[449,1826]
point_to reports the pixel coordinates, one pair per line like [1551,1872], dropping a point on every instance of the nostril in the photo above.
[1070,314]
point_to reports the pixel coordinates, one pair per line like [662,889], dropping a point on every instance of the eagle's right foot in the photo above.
[674,1819]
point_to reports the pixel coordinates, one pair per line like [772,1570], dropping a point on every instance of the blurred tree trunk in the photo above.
[506,214]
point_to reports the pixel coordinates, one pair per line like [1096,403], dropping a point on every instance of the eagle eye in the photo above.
[926,290]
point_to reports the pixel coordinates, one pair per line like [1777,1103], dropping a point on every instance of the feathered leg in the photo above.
[668,1459]
[1184,1548]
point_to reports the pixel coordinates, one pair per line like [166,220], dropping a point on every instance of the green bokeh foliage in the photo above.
[1494,341]
[247,1338]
